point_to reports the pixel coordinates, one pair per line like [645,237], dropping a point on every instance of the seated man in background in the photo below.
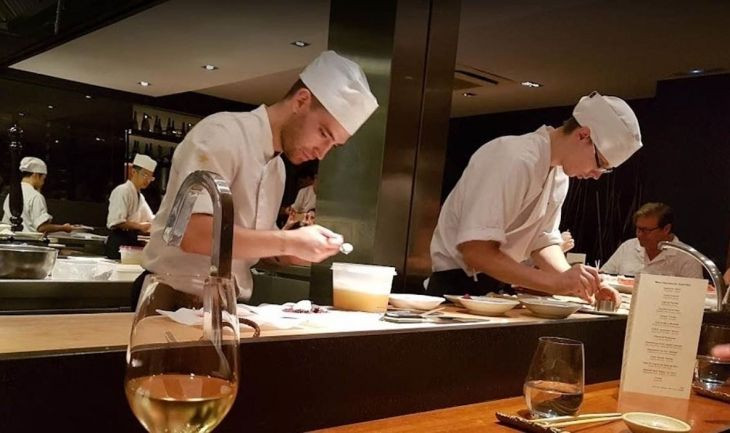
[654,223]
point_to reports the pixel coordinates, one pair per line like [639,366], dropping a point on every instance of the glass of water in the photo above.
[555,381]
[712,373]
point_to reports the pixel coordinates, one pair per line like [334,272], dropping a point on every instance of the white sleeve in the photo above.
[298,204]
[613,265]
[118,208]
[550,230]
[38,212]
[210,146]
[145,212]
[492,194]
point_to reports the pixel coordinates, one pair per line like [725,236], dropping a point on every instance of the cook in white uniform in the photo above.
[322,110]
[35,212]
[129,214]
[506,206]
[654,223]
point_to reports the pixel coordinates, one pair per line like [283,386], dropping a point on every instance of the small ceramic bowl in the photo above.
[549,309]
[644,422]
[487,306]
[417,302]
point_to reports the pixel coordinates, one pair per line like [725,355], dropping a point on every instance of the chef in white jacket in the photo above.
[35,212]
[129,214]
[505,208]
[326,106]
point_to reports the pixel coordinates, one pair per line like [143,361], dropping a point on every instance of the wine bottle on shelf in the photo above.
[135,150]
[157,129]
[134,125]
[145,122]
[168,127]
[160,155]
[173,131]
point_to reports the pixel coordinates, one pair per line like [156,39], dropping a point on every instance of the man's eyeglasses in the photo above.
[645,230]
[599,168]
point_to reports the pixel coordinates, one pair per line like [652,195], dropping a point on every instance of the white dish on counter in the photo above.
[550,309]
[488,306]
[417,302]
[454,299]
[644,422]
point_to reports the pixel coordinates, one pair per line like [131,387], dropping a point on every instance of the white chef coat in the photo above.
[306,199]
[127,204]
[631,259]
[35,211]
[240,148]
[508,193]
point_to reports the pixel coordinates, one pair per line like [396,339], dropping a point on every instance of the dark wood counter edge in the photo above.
[248,340]
[314,381]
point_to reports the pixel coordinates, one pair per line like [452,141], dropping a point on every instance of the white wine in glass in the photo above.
[183,377]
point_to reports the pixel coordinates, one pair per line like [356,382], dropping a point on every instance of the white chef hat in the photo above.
[31,164]
[341,86]
[144,161]
[613,124]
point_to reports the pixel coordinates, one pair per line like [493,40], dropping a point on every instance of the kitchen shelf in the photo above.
[155,136]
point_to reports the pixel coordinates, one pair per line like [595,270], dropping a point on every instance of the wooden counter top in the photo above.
[703,414]
[46,334]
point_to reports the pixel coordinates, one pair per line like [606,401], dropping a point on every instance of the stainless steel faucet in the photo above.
[182,208]
[715,275]
[219,287]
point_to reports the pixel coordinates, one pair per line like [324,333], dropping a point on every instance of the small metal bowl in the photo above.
[19,261]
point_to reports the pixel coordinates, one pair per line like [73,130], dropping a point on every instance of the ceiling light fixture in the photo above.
[87,96]
[143,83]
[209,67]
[301,44]
[469,94]
[696,71]
[531,84]
[50,107]
[21,114]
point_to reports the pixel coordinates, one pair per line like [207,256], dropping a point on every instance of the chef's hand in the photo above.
[313,243]
[580,280]
[67,228]
[721,351]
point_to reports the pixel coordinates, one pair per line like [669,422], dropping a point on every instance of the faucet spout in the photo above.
[711,268]
[182,208]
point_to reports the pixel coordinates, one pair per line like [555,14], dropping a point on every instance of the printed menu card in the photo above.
[662,333]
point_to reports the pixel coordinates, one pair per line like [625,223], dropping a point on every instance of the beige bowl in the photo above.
[644,422]
[488,306]
[550,309]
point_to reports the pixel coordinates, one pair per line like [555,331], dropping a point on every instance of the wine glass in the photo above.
[554,383]
[712,373]
[182,374]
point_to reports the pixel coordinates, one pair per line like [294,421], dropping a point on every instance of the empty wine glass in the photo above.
[555,381]
[182,374]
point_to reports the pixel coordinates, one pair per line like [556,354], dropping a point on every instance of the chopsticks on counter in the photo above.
[553,425]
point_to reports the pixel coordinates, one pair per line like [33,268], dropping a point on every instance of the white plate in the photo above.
[488,306]
[549,309]
[418,302]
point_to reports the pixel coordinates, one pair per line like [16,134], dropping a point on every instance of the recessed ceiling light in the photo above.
[301,44]
[696,71]
[55,141]
[87,96]
[21,114]
[469,94]
[531,84]
[50,107]
[209,67]
[143,83]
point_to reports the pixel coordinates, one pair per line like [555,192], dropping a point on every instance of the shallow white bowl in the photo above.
[549,309]
[488,306]
[418,302]
[455,299]
[644,422]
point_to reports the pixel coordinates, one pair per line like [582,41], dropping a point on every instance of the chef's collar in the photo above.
[267,139]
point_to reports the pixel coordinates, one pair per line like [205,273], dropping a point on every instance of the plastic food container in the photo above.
[361,287]
[131,255]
